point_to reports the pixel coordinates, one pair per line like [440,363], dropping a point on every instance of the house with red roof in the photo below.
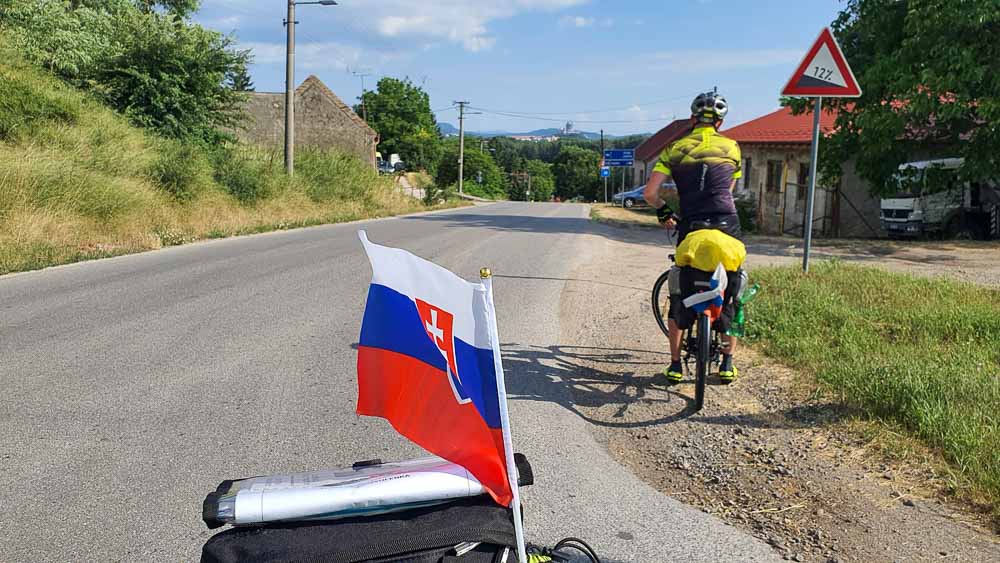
[775,149]
[649,151]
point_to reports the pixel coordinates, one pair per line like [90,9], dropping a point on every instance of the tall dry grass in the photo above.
[78,182]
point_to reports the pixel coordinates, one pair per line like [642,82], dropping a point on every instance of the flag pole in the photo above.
[487,279]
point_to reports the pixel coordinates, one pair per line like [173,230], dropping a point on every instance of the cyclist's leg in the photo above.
[727,370]
[677,323]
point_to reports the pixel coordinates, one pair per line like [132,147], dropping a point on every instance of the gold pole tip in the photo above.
[485,273]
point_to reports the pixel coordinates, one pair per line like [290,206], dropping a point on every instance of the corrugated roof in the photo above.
[653,146]
[780,127]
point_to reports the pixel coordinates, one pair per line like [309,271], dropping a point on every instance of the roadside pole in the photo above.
[290,90]
[811,194]
[461,143]
[602,165]
[823,73]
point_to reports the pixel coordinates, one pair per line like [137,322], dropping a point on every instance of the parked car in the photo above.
[633,197]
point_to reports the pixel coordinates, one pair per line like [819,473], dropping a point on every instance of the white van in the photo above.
[930,201]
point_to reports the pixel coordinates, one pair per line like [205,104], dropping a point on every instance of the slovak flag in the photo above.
[428,365]
[713,299]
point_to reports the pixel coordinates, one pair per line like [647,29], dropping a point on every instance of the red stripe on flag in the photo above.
[418,401]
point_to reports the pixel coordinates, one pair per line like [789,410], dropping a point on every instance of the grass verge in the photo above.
[919,355]
[616,215]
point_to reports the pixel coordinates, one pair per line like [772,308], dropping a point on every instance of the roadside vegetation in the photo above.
[917,354]
[78,181]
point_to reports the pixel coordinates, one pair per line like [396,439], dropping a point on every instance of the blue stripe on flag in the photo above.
[392,323]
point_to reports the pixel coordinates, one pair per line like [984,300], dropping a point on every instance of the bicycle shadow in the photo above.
[615,388]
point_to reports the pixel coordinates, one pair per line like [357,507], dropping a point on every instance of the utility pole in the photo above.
[602,162]
[290,91]
[364,108]
[461,142]
[290,82]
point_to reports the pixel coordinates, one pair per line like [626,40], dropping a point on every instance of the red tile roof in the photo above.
[780,127]
[653,146]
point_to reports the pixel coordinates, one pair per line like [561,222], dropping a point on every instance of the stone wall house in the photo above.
[322,121]
[775,150]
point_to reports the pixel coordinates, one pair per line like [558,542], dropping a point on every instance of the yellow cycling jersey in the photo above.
[707,248]
[703,165]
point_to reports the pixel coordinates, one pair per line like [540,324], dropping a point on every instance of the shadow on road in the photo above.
[515,222]
[613,388]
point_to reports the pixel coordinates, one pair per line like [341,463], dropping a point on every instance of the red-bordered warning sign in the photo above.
[824,72]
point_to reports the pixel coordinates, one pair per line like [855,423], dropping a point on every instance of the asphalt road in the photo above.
[130,387]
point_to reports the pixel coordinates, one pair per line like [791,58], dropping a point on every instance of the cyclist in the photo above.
[704,166]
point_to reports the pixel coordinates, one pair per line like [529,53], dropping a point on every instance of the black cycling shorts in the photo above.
[729,224]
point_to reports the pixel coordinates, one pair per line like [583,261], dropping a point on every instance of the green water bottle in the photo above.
[738,326]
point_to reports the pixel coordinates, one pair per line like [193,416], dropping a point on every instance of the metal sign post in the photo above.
[823,73]
[811,194]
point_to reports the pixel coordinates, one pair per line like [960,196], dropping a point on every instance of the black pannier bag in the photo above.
[472,530]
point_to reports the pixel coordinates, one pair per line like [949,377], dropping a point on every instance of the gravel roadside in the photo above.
[769,454]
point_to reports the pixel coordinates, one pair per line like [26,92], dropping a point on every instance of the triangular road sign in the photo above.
[823,72]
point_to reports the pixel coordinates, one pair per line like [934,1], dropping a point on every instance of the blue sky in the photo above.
[626,66]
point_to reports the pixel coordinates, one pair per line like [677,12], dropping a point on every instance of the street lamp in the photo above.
[290,83]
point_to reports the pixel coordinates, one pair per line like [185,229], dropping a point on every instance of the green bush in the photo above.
[434,194]
[248,179]
[332,176]
[22,106]
[746,209]
[160,70]
[180,169]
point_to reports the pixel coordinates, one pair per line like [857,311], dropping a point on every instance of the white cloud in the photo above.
[576,21]
[465,22]
[318,55]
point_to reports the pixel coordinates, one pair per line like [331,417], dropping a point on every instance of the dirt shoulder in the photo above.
[769,454]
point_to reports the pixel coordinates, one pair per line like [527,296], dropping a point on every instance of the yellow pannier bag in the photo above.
[707,248]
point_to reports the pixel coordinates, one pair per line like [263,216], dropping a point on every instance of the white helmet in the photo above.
[709,107]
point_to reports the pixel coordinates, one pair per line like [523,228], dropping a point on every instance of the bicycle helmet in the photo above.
[709,107]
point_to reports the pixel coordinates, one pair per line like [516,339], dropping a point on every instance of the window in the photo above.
[747,169]
[774,170]
[803,182]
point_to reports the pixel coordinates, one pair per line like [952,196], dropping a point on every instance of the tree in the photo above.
[542,182]
[179,8]
[161,71]
[576,172]
[239,78]
[401,114]
[482,176]
[929,74]
[171,77]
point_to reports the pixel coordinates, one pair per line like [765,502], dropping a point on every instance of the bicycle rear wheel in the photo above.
[661,302]
[702,361]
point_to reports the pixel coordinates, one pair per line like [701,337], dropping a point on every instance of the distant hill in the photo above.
[448,129]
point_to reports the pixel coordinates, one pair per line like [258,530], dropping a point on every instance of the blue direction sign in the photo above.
[619,157]
[605,172]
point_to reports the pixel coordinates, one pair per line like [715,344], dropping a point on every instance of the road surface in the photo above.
[132,386]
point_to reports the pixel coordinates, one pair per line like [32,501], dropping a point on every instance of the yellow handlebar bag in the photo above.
[707,248]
